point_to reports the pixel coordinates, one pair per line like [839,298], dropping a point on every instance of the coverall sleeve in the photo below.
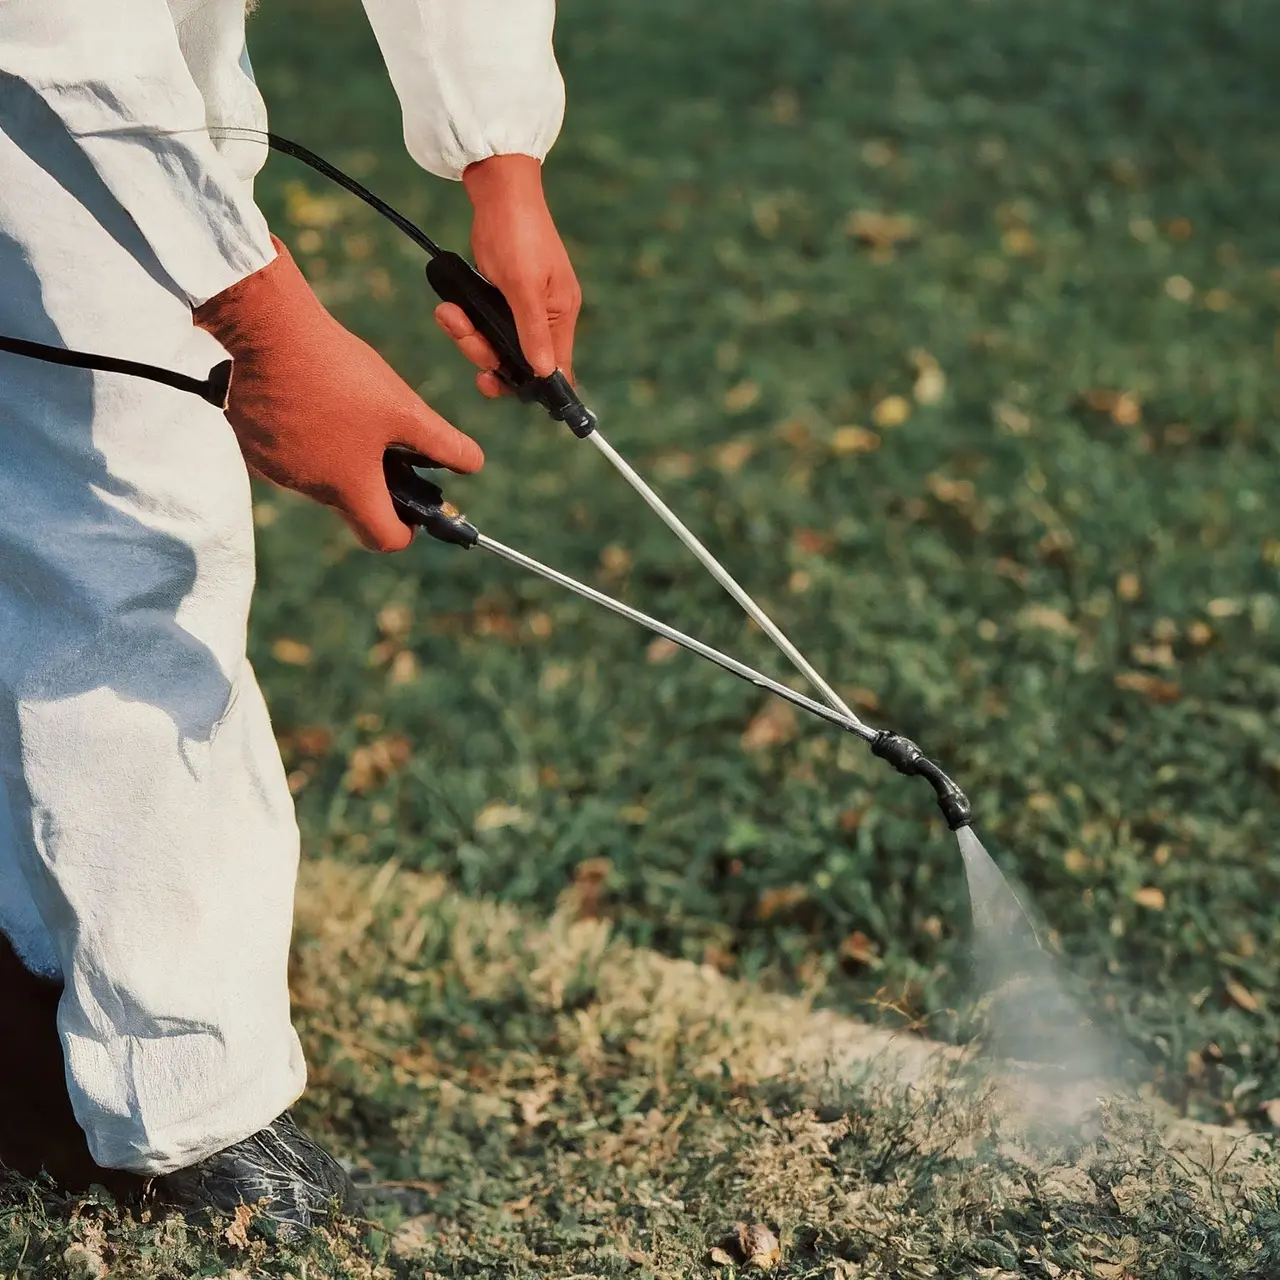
[113,74]
[475,78]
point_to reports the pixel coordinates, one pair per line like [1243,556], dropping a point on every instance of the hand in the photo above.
[516,245]
[315,409]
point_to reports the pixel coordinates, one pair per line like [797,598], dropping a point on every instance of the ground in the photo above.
[954,326]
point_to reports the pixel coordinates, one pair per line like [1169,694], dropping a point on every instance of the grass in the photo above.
[525,1098]
[953,326]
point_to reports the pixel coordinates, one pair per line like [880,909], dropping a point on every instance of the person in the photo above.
[148,844]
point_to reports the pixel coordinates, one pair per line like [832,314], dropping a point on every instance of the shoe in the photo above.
[298,1180]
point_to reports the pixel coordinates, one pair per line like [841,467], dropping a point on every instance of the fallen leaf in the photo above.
[1153,655]
[1128,586]
[83,1262]
[371,765]
[395,620]
[1075,861]
[498,814]
[615,560]
[1242,996]
[541,626]
[237,1233]
[661,650]
[860,949]
[852,439]
[719,1258]
[584,898]
[814,542]
[1019,242]
[880,230]
[730,458]
[1149,686]
[772,727]
[1013,419]
[773,901]
[931,386]
[1043,618]
[404,668]
[292,652]
[1150,897]
[740,397]
[892,411]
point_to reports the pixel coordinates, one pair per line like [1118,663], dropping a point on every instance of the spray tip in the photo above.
[908,759]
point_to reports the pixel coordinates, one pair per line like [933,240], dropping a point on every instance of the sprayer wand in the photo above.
[419,502]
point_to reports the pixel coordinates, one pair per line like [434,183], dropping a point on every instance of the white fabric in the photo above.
[149,819]
[148,847]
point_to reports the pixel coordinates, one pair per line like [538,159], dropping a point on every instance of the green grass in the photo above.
[1060,574]
[1061,164]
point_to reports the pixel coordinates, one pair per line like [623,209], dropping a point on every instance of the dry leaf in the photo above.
[729,458]
[931,385]
[237,1233]
[661,650]
[1149,686]
[880,230]
[1242,996]
[83,1262]
[395,621]
[584,899]
[892,411]
[615,560]
[1128,586]
[497,814]
[1150,897]
[814,542]
[404,668]
[1271,1109]
[773,726]
[292,652]
[1043,618]
[860,949]
[371,765]
[718,1258]
[1075,861]
[852,439]
[773,901]
[740,398]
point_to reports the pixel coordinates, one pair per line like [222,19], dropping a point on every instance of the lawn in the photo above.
[954,326]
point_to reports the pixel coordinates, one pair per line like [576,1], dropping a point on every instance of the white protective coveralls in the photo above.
[148,846]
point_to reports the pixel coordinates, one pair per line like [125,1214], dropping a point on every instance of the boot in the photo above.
[38,1129]
[279,1164]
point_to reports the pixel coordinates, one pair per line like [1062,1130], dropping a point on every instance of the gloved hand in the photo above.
[516,246]
[314,408]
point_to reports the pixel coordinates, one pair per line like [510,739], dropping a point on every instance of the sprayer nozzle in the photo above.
[908,759]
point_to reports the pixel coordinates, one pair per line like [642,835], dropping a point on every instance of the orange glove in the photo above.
[516,245]
[315,409]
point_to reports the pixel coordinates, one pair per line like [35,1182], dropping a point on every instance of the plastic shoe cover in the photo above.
[297,1180]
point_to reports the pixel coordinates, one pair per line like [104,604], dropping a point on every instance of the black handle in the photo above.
[420,503]
[455,280]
